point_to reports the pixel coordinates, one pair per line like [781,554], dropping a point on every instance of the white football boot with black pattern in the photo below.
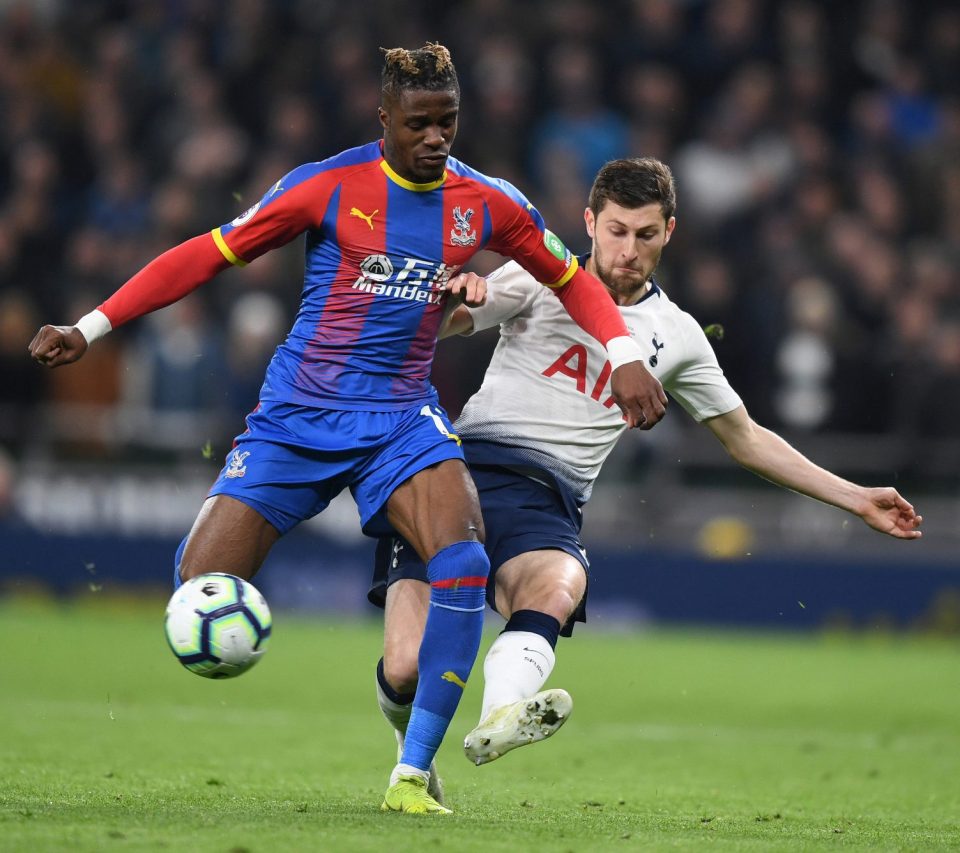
[517,724]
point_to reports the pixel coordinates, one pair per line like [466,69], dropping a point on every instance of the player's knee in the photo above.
[556,591]
[400,669]
[474,561]
[458,577]
[561,603]
[460,565]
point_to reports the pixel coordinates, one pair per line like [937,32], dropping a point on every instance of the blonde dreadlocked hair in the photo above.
[429,67]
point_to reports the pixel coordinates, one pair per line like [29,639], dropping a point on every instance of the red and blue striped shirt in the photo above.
[379,250]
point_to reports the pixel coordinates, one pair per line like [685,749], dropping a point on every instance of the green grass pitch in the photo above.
[678,741]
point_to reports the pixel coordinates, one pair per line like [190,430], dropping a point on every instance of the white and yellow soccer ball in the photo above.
[218,625]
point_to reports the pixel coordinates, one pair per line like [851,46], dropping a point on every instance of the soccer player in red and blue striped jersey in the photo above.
[347,401]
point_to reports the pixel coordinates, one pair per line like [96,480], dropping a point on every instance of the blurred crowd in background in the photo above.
[816,147]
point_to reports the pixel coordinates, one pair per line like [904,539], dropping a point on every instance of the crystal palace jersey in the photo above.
[379,252]
[545,399]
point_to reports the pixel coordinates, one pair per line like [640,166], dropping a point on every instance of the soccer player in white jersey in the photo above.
[536,435]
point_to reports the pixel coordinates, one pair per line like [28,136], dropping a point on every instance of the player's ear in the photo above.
[671,224]
[590,221]
[384,117]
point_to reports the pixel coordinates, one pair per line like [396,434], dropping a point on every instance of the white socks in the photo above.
[408,770]
[516,667]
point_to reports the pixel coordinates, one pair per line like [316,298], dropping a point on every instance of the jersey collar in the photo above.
[410,185]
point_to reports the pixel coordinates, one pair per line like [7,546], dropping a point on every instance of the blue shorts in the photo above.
[520,514]
[293,460]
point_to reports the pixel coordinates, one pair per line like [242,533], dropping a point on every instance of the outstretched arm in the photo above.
[769,456]
[280,216]
[161,282]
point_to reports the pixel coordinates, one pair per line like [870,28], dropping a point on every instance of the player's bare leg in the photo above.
[537,592]
[227,536]
[437,507]
[437,511]
[404,619]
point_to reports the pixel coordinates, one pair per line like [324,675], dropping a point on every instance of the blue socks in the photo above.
[451,639]
[177,583]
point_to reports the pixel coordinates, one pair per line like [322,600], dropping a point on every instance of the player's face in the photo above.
[627,244]
[418,129]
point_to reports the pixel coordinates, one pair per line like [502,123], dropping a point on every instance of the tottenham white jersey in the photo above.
[546,394]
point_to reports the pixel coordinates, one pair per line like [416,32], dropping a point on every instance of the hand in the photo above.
[56,345]
[639,395]
[889,513]
[469,287]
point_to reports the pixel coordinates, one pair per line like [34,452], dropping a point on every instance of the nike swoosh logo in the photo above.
[536,652]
